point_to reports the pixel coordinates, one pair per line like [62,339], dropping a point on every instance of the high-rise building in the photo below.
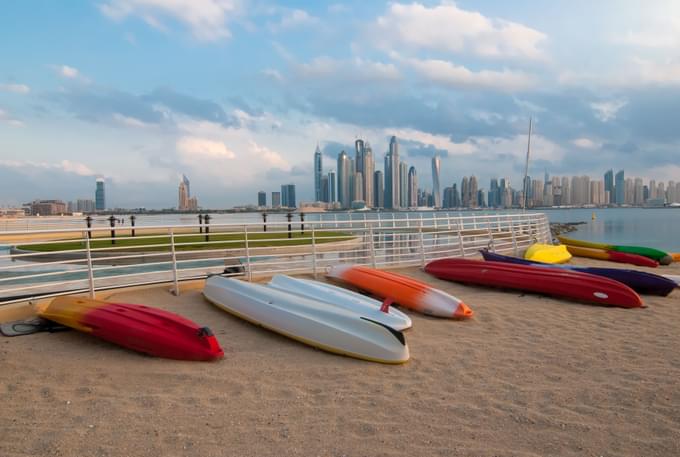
[403,185]
[494,193]
[358,183]
[318,170]
[392,191]
[344,180]
[325,194]
[652,189]
[566,191]
[412,188]
[262,198]
[481,198]
[183,197]
[332,186]
[276,199]
[288,196]
[436,191]
[473,192]
[99,196]
[638,192]
[187,183]
[609,181]
[455,198]
[358,168]
[368,169]
[378,189]
[620,188]
[465,193]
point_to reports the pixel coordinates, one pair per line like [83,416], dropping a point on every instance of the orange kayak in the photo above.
[402,290]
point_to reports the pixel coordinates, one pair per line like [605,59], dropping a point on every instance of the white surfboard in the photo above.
[343,298]
[330,328]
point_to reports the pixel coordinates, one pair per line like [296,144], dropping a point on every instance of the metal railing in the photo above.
[92,259]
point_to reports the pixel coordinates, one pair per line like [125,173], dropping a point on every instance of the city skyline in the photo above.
[233,93]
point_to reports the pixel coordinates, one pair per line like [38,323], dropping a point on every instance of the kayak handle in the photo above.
[385,307]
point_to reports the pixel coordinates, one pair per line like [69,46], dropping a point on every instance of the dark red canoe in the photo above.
[556,282]
[141,328]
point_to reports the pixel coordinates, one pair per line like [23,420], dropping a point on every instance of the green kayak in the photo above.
[662,257]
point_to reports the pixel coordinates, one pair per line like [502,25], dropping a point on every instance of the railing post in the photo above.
[514,238]
[422,246]
[175,280]
[460,240]
[488,230]
[249,274]
[370,245]
[314,252]
[90,273]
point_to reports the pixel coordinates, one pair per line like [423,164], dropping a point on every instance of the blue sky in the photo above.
[236,93]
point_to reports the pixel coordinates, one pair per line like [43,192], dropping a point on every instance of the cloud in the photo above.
[451,29]
[336,8]
[448,74]
[356,70]
[271,158]
[585,143]
[294,18]
[439,142]
[128,121]
[67,166]
[273,74]
[9,120]
[607,110]
[207,19]
[68,72]
[193,148]
[15,88]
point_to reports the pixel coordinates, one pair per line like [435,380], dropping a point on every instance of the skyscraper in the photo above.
[276,199]
[343,180]
[318,170]
[288,196]
[183,197]
[392,193]
[186,182]
[494,193]
[368,169]
[379,189]
[99,197]
[609,182]
[412,188]
[325,194]
[473,191]
[465,193]
[403,185]
[359,168]
[358,184]
[332,186]
[262,198]
[436,192]
[620,188]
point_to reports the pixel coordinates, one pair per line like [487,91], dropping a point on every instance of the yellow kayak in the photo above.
[676,256]
[547,253]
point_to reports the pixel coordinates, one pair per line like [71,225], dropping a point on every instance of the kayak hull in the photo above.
[343,298]
[547,253]
[330,328]
[640,281]
[612,256]
[407,292]
[655,254]
[141,328]
[549,281]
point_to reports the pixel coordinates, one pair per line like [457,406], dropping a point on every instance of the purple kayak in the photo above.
[639,281]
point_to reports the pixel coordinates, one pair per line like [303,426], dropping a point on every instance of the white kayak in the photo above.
[675,278]
[330,328]
[343,298]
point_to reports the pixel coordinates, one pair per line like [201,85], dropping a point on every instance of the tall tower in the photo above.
[343,180]
[186,182]
[379,189]
[436,191]
[183,197]
[318,170]
[464,193]
[412,188]
[403,185]
[332,196]
[368,169]
[620,188]
[394,175]
[472,192]
[359,165]
[99,196]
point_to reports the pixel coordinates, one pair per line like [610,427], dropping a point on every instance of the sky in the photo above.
[236,94]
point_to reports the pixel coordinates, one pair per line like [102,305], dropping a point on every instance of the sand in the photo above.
[528,376]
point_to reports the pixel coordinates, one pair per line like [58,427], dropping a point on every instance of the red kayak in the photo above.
[557,282]
[148,330]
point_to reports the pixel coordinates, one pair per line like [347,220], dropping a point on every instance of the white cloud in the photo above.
[294,18]
[76,167]
[207,19]
[194,148]
[355,70]
[541,148]
[128,121]
[68,72]
[271,158]
[65,165]
[273,74]
[448,74]
[451,29]
[336,8]
[585,143]
[15,88]
[6,118]
[607,110]
[428,139]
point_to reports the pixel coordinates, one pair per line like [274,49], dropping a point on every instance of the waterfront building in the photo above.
[99,196]
[436,192]
[661,191]
[358,193]
[481,198]
[652,190]
[332,186]
[537,192]
[262,199]
[566,191]
[183,197]
[48,207]
[344,180]
[276,199]
[464,193]
[288,196]
[628,191]
[367,174]
[379,189]
[609,181]
[473,192]
[392,191]
[318,171]
[638,192]
[359,168]
[403,185]
[494,193]
[455,197]
[187,184]
[325,194]
[620,188]
[412,188]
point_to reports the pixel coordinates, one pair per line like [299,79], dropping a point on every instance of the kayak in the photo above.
[143,329]
[549,281]
[675,256]
[640,281]
[337,296]
[612,256]
[674,278]
[402,290]
[309,321]
[547,253]
[660,256]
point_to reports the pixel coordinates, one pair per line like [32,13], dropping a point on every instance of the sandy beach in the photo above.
[527,376]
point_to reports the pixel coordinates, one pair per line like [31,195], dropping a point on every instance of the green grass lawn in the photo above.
[197,241]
